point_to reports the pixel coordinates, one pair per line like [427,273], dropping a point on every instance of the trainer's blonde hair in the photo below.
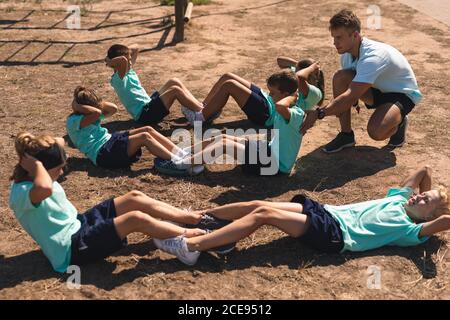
[26,143]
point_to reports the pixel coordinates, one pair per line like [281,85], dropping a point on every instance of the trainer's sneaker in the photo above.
[191,115]
[178,247]
[342,140]
[398,139]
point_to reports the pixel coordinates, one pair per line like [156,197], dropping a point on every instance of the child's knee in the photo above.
[175,82]
[262,214]
[137,218]
[229,84]
[135,195]
[227,76]
[255,204]
[150,130]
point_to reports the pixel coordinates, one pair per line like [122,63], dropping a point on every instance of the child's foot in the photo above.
[192,116]
[177,168]
[223,249]
[178,247]
[213,117]
[194,232]
[168,167]
[209,222]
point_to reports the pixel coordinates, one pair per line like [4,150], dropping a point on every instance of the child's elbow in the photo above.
[43,191]
[427,168]
[279,107]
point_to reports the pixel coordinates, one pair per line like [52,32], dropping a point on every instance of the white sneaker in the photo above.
[178,247]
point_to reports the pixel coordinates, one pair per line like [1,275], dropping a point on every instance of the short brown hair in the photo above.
[117,50]
[86,96]
[346,19]
[285,80]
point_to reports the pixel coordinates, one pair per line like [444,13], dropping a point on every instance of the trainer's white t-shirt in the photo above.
[384,67]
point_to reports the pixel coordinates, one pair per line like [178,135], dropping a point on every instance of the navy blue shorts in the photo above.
[251,165]
[154,111]
[324,232]
[97,237]
[401,100]
[257,108]
[114,153]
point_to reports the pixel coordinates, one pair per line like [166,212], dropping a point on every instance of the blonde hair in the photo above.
[26,143]
[444,204]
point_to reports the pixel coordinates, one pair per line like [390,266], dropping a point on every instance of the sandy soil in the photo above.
[237,36]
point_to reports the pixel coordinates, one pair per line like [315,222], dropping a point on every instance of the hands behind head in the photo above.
[29,163]
[108,62]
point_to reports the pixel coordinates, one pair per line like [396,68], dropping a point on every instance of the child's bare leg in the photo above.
[173,93]
[137,221]
[177,82]
[164,141]
[237,210]
[219,83]
[138,201]
[202,145]
[294,224]
[233,88]
[218,149]
[144,139]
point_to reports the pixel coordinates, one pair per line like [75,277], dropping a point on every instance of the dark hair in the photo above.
[118,50]
[317,81]
[86,96]
[285,80]
[347,19]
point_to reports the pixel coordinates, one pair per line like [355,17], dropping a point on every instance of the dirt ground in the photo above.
[243,37]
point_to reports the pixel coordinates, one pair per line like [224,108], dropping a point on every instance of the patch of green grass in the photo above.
[195,2]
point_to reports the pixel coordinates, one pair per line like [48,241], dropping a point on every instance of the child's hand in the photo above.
[29,163]
[108,62]
[315,66]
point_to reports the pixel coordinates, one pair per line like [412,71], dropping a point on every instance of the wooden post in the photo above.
[187,15]
[179,20]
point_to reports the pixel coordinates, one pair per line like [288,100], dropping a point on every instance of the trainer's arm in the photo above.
[339,105]
[347,99]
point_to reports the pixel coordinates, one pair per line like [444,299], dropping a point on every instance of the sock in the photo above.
[199,116]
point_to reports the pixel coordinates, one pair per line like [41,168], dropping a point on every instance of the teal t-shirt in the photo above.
[131,93]
[89,139]
[373,224]
[287,139]
[51,223]
[272,108]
